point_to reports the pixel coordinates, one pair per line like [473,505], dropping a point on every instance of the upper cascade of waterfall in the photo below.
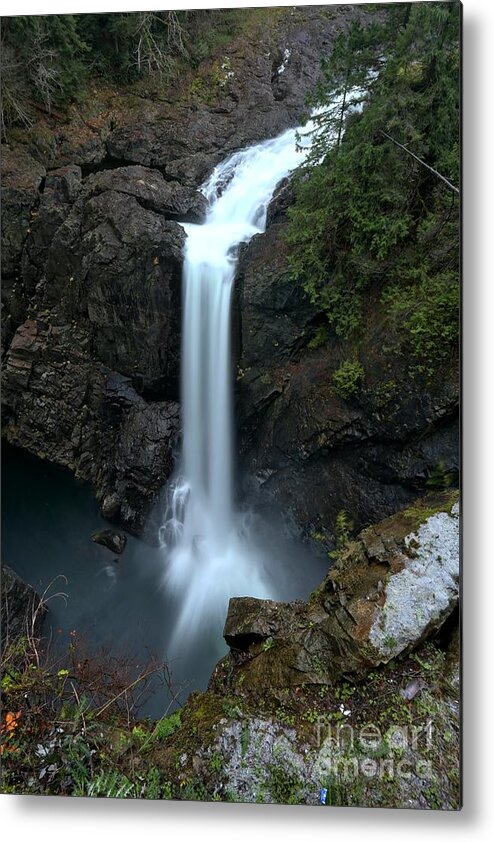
[239,191]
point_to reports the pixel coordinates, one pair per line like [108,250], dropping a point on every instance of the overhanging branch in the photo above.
[416,158]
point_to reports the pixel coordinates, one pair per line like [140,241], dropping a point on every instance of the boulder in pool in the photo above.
[111,539]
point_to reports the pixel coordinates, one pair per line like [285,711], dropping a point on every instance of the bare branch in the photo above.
[41,67]
[420,161]
[14,94]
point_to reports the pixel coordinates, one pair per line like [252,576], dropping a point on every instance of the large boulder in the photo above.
[391,589]
[111,539]
[174,136]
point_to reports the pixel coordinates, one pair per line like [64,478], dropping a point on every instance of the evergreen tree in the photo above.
[369,215]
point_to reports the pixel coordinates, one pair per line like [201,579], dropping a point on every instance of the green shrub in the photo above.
[284,786]
[167,726]
[427,308]
[343,527]
[440,477]
[68,724]
[320,337]
[347,379]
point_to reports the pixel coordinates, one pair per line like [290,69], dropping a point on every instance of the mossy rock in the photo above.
[391,588]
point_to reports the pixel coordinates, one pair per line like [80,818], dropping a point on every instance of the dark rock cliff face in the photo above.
[22,178]
[103,264]
[311,450]
[115,264]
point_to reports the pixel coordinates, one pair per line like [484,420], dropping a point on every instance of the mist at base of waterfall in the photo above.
[263,557]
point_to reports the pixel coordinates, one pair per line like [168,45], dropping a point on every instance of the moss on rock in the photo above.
[390,589]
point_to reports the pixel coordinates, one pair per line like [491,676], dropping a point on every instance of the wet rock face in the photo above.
[99,274]
[22,178]
[140,458]
[164,142]
[107,254]
[391,589]
[133,281]
[22,614]
[168,198]
[62,405]
[311,450]
[115,265]
[50,389]
[60,190]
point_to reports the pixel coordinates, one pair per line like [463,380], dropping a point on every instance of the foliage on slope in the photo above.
[369,219]
[48,60]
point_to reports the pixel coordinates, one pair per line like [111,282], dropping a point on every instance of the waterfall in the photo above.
[210,555]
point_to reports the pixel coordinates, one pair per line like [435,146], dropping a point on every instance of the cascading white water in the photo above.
[210,556]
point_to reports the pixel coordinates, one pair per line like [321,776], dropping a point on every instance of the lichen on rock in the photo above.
[424,592]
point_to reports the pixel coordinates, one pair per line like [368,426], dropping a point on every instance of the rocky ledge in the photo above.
[349,699]
[390,589]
